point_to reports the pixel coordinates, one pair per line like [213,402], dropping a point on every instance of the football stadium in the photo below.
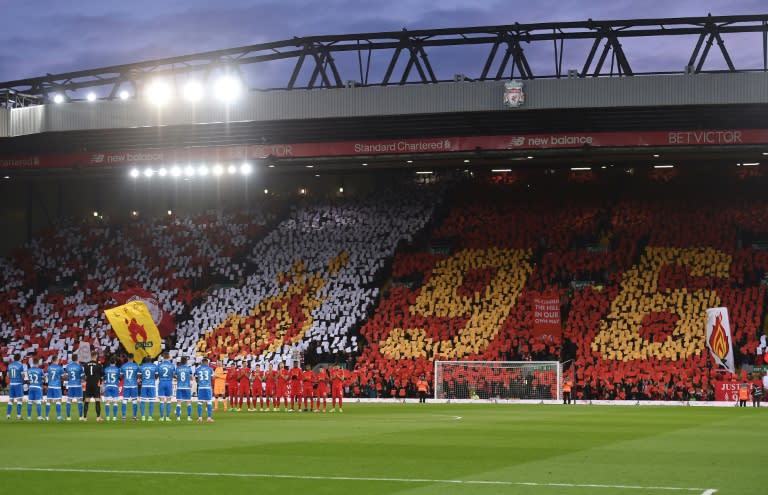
[545,274]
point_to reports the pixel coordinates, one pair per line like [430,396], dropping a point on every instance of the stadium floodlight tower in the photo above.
[498,380]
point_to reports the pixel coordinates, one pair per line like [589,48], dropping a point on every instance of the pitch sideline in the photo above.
[702,491]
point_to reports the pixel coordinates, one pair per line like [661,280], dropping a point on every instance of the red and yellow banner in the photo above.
[719,338]
[133,325]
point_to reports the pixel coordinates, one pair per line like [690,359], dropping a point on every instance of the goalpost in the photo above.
[536,380]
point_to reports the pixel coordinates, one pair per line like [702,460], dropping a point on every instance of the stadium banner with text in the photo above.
[719,338]
[546,315]
[133,325]
[383,147]
[726,391]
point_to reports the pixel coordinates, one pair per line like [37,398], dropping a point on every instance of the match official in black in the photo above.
[93,375]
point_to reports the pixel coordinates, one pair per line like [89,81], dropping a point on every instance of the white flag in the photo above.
[719,338]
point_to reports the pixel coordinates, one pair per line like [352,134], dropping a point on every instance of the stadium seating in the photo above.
[633,277]
[174,258]
[315,280]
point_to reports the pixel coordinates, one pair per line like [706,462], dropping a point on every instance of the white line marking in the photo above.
[353,478]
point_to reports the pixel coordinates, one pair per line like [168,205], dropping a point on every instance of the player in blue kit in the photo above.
[74,387]
[35,378]
[204,377]
[148,372]
[111,388]
[53,376]
[130,374]
[183,388]
[15,387]
[166,371]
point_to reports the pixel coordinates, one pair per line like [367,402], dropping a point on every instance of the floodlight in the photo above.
[58,98]
[162,172]
[218,169]
[95,213]
[266,191]
[135,172]
[189,171]
[124,95]
[91,97]
[246,169]
[193,91]
[232,170]
[227,89]
[159,93]
[149,172]
[202,170]
[175,171]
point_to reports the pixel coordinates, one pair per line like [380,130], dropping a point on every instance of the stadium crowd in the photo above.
[392,282]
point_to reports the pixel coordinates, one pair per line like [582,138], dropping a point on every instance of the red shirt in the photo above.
[232,375]
[244,375]
[295,374]
[308,376]
[337,377]
[282,377]
[257,376]
[322,376]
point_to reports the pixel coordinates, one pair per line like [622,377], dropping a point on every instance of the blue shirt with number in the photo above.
[183,377]
[166,370]
[35,377]
[111,376]
[54,375]
[16,373]
[130,374]
[204,377]
[74,374]
[148,373]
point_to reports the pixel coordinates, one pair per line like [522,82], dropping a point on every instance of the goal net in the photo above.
[498,380]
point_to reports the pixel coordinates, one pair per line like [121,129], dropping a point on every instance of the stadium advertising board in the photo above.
[383,147]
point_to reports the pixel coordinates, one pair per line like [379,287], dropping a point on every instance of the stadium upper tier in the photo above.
[394,281]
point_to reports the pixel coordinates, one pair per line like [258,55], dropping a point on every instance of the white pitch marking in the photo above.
[354,478]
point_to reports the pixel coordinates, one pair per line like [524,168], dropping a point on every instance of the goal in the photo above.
[534,380]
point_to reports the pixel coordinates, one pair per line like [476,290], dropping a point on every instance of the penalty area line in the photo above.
[702,491]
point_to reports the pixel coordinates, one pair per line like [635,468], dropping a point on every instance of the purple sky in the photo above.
[51,36]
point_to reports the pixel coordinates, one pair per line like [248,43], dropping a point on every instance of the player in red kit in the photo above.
[244,387]
[296,387]
[322,390]
[270,387]
[281,391]
[257,389]
[232,387]
[337,387]
[308,386]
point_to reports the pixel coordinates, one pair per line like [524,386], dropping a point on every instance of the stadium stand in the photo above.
[62,280]
[314,281]
[392,281]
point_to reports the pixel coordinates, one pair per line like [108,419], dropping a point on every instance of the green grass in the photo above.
[721,448]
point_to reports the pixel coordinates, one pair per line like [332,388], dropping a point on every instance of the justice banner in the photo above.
[719,339]
[133,325]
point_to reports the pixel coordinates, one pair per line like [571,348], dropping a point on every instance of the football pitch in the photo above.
[397,448]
